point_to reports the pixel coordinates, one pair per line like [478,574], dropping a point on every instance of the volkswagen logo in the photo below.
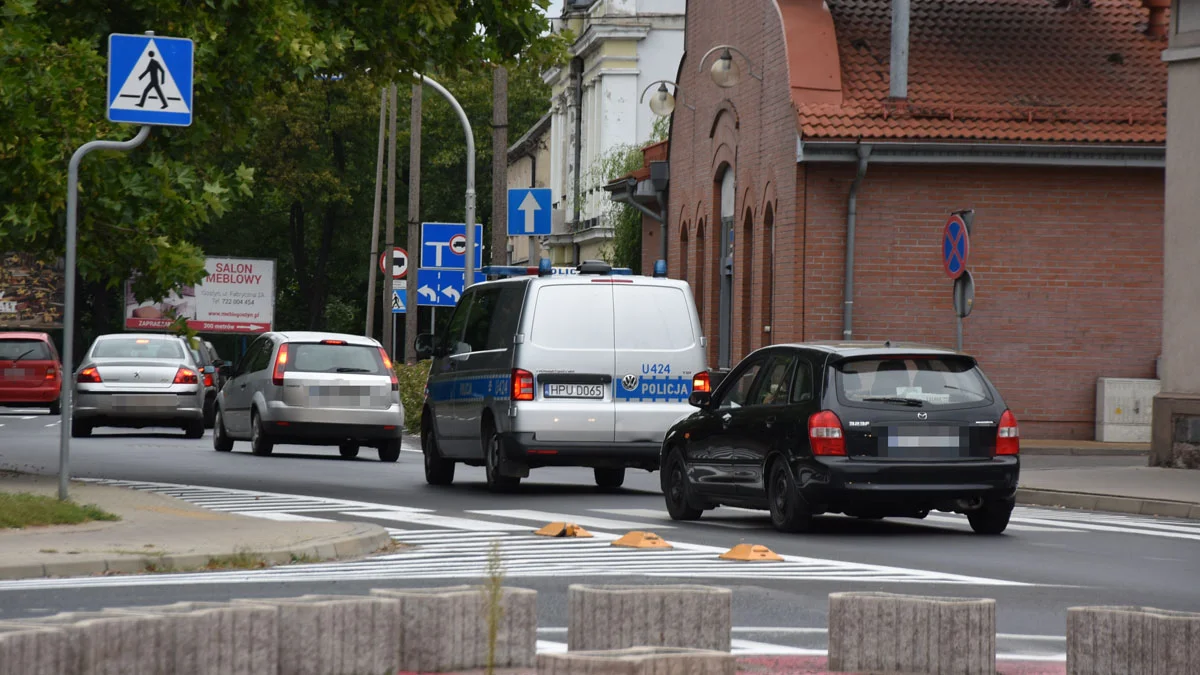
[629,382]
[922,416]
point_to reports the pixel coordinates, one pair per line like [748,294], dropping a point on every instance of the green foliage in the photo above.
[28,510]
[412,392]
[625,248]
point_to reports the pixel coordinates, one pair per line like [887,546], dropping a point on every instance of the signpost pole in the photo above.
[958,337]
[469,267]
[68,354]
[375,217]
[389,342]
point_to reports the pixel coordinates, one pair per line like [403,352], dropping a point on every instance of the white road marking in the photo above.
[284,517]
[750,647]
[441,521]
[546,517]
[708,520]
[962,522]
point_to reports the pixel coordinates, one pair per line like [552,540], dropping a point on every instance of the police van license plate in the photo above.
[574,391]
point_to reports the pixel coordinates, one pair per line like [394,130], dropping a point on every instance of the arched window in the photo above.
[684,251]
[745,278]
[698,287]
[767,283]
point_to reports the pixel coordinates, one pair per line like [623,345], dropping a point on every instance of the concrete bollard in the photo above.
[909,633]
[33,650]
[639,661]
[216,638]
[106,643]
[446,629]
[621,617]
[335,634]
[1121,640]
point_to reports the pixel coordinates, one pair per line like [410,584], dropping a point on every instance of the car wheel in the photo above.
[259,443]
[221,440]
[438,470]
[610,479]
[491,463]
[210,412]
[991,518]
[348,450]
[80,429]
[676,490]
[789,513]
[390,450]
[194,429]
[56,408]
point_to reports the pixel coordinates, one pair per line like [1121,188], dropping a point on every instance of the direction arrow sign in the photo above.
[150,80]
[441,288]
[399,262]
[956,246]
[529,212]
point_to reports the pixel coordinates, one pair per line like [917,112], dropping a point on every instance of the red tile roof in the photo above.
[997,70]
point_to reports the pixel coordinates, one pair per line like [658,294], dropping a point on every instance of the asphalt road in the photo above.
[1048,561]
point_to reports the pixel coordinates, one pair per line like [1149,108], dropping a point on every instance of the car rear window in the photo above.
[137,348]
[915,381]
[24,349]
[316,357]
[652,318]
[573,316]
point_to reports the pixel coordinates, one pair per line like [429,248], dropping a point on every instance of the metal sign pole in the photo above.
[469,266]
[68,354]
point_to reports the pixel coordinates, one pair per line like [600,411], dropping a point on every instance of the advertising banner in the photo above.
[237,296]
[31,292]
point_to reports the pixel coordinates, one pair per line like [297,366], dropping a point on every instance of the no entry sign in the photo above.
[956,246]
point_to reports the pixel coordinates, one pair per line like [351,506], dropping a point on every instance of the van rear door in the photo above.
[658,351]
[569,352]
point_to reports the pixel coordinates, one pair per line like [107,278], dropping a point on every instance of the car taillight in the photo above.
[208,381]
[825,434]
[1008,436]
[51,373]
[186,376]
[701,382]
[522,385]
[387,363]
[280,366]
[89,376]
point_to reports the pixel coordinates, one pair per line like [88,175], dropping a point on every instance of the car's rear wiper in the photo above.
[354,370]
[914,402]
[23,355]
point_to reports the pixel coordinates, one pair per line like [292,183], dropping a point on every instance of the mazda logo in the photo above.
[136,375]
[922,416]
[630,382]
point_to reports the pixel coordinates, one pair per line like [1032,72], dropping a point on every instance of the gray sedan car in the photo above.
[312,389]
[138,380]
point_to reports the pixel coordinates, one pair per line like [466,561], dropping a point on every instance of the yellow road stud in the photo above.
[641,540]
[563,530]
[750,553]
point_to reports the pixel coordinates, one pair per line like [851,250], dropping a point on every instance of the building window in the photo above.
[684,260]
[746,278]
[767,283]
[701,259]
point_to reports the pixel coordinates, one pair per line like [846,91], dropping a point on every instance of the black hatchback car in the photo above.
[864,429]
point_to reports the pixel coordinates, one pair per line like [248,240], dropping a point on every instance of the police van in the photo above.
[539,369]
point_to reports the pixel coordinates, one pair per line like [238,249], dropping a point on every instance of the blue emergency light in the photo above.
[660,268]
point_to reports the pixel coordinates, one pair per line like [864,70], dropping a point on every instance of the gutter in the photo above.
[577,73]
[1010,154]
[864,155]
[622,189]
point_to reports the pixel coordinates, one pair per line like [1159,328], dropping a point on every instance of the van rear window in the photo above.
[27,350]
[652,318]
[326,358]
[573,316]
[913,381]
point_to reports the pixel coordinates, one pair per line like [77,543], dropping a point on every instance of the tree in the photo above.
[142,211]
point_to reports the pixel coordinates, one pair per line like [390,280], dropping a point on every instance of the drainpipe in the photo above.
[577,76]
[898,82]
[864,154]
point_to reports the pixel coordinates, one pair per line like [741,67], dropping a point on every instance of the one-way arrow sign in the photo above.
[529,212]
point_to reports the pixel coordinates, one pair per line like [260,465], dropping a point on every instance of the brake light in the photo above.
[186,376]
[280,366]
[89,375]
[701,382]
[825,434]
[208,380]
[387,363]
[1008,436]
[333,342]
[51,373]
[522,385]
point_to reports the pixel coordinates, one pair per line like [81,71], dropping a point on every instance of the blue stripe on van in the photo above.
[496,387]
[655,389]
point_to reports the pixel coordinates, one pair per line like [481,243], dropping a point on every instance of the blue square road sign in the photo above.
[529,212]
[150,80]
[441,288]
[444,246]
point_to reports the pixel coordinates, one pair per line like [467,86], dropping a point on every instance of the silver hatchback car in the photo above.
[312,389]
[138,380]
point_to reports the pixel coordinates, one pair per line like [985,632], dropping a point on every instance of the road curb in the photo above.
[364,539]
[1083,452]
[1095,502]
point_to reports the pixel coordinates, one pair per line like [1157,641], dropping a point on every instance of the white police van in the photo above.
[542,369]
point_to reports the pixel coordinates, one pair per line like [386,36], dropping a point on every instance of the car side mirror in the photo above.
[700,399]
[716,377]
[424,346]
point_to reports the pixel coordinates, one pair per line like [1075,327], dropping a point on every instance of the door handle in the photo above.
[726,418]
[770,421]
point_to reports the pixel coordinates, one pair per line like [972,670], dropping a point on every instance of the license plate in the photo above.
[130,401]
[574,391]
[15,372]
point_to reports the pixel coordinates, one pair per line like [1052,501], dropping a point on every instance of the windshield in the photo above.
[328,358]
[912,381]
[138,348]
[12,349]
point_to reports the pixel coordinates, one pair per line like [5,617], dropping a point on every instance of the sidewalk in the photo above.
[1033,446]
[1140,490]
[159,533]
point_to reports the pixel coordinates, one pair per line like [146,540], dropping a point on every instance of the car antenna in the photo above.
[887,343]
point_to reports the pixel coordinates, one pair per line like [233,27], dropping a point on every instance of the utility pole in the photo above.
[389,340]
[500,166]
[414,226]
[374,257]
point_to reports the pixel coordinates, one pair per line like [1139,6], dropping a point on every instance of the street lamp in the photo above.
[725,72]
[662,103]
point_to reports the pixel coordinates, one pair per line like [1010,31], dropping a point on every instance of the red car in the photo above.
[30,371]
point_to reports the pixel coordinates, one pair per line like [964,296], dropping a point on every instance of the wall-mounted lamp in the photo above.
[662,103]
[725,71]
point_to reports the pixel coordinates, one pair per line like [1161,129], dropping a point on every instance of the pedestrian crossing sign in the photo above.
[150,80]
[398,301]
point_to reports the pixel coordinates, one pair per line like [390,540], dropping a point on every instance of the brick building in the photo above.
[1047,120]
